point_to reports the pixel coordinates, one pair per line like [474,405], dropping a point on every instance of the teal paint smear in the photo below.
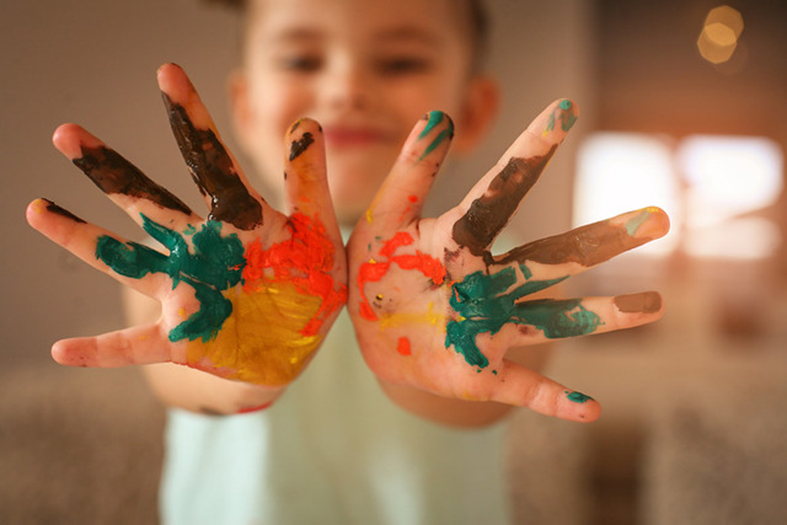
[578,397]
[486,303]
[435,118]
[214,264]
[567,117]
[633,224]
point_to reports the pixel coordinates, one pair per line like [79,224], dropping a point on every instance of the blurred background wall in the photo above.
[692,414]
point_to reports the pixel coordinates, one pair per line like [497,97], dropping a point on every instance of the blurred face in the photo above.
[366,71]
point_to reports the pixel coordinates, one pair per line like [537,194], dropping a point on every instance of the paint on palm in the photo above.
[261,308]
[237,289]
[482,302]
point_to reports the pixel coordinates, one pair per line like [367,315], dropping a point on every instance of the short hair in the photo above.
[479,25]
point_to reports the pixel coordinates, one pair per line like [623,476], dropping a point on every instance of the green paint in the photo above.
[214,263]
[567,116]
[487,302]
[190,230]
[578,397]
[435,118]
[633,224]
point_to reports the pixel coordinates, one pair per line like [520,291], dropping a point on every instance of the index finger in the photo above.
[495,198]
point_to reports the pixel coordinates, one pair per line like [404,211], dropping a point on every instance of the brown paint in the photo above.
[299,146]
[54,208]
[213,171]
[114,174]
[588,245]
[489,213]
[646,303]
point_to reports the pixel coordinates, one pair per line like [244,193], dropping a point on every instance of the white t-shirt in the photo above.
[332,450]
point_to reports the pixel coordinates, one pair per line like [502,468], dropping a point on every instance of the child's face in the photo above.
[367,71]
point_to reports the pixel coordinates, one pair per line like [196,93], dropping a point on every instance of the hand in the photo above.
[246,293]
[435,310]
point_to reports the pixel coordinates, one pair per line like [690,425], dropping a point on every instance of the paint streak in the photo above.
[261,310]
[565,114]
[488,214]
[403,346]
[373,270]
[588,245]
[114,174]
[299,146]
[647,303]
[485,303]
[214,265]
[435,118]
[578,397]
[212,169]
[54,208]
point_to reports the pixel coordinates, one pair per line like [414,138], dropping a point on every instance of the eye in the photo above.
[403,65]
[301,63]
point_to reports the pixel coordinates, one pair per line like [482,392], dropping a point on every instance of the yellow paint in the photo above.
[182,313]
[249,347]
[409,318]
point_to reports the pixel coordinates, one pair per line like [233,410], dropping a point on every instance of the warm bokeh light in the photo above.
[720,32]
[619,172]
[728,180]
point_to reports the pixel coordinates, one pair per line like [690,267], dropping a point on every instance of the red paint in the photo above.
[375,270]
[404,346]
[305,260]
[247,410]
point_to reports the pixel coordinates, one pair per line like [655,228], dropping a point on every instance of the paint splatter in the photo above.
[238,288]
[565,114]
[213,171]
[403,346]
[578,397]
[435,118]
[485,303]
[488,214]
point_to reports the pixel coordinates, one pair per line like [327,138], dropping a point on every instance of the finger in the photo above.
[138,345]
[133,265]
[544,319]
[306,183]
[582,248]
[496,197]
[219,177]
[523,387]
[123,182]
[400,199]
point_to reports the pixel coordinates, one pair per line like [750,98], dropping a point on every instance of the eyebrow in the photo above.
[409,34]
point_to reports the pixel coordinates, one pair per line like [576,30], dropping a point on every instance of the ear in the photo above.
[480,109]
[240,107]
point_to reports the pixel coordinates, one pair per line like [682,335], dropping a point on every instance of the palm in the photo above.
[434,309]
[247,293]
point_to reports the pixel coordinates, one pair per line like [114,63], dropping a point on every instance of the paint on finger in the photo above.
[564,113]
[485,303]
[112,173]
[434,119]
[299,146]
[54,208]
[577,397]
[214,172]
[646,303]
[489,213]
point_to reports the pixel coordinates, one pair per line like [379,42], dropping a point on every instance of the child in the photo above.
[249,295]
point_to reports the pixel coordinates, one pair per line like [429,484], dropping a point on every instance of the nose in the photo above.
[348,86]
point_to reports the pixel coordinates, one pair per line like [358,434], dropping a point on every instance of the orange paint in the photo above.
[373,270]
[404,346]
[305,260]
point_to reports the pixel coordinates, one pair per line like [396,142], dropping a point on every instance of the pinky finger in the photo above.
[138,345]
[523,387]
